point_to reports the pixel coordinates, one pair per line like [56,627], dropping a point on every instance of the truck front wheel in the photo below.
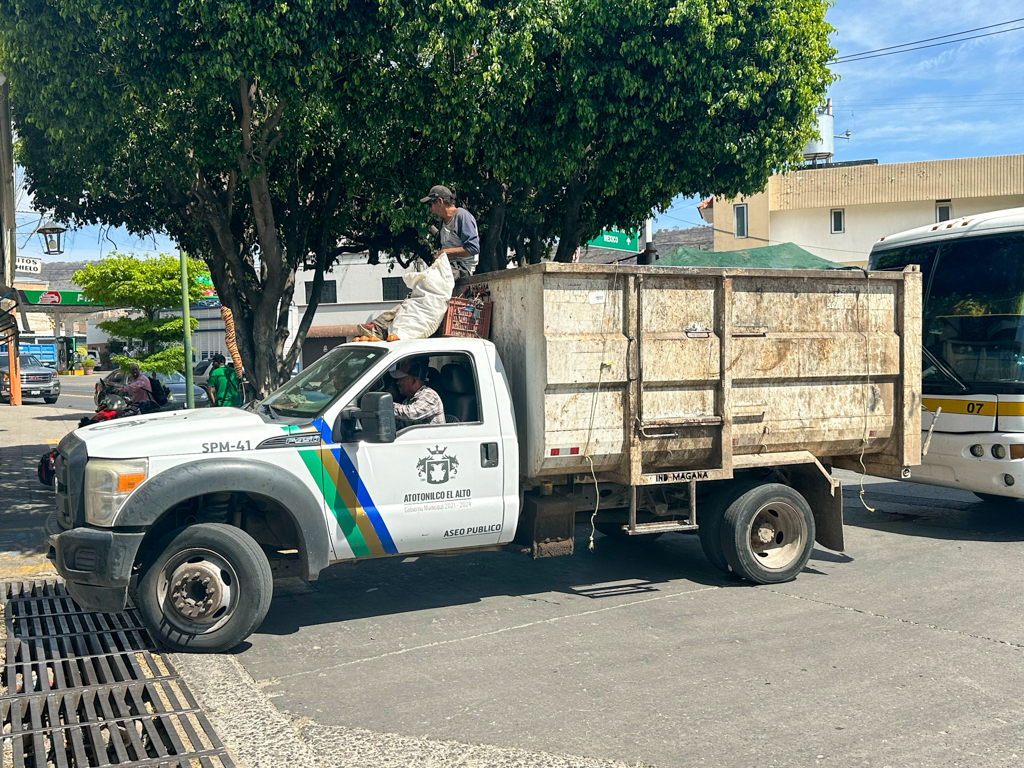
[768,534]
[207,590]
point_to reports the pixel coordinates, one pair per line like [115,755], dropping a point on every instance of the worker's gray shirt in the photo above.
[461,232]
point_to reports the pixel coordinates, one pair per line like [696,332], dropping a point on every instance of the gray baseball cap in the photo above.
[438,191]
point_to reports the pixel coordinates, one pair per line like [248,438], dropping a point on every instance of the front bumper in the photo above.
[30,389]
[96,564]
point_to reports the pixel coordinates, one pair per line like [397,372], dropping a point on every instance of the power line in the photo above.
[929,39]
[848,60]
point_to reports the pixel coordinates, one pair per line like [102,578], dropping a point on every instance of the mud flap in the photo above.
[825,495]
[547,525]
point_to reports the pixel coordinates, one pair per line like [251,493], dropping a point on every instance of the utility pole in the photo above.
[8,243]
[186,325]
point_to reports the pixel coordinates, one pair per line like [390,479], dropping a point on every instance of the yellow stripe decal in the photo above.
[966,407]
[1011,409]
[348,496]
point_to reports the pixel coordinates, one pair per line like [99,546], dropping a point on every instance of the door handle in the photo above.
[488,455]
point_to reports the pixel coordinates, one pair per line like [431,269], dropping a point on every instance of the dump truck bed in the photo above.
[647,374]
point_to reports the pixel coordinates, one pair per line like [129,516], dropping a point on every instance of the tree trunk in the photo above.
[493,256]
[569,237]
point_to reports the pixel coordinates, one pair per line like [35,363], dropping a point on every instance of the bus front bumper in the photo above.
[950,463]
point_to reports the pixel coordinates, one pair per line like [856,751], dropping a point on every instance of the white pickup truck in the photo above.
[638,395]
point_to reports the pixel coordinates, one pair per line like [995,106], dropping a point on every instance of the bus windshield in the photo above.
[974,315]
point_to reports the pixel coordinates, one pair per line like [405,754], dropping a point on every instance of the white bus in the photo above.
[973,347]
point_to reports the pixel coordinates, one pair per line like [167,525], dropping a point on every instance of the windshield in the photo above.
[974,315]
[168,378]
[29,361]
[309,393]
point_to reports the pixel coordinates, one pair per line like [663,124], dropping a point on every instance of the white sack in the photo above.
[424,309]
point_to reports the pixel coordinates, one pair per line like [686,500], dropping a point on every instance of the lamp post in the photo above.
[53,235]
[186,324]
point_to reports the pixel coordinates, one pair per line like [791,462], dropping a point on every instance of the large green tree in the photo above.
[146,286]
[265,136]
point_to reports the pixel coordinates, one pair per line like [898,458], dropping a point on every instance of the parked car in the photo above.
[37,380]
[202,372]
[175,382]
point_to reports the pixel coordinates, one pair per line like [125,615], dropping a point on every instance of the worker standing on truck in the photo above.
[460,241]
[422,403]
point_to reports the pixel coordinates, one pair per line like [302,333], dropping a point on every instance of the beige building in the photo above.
[839,210]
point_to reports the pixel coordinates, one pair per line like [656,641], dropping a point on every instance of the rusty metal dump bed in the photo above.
[667,374]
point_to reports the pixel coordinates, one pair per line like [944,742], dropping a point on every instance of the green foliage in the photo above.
[149,285]
[169,360]
[145,285]
[262,136]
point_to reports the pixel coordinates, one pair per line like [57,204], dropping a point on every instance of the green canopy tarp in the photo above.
[782,256]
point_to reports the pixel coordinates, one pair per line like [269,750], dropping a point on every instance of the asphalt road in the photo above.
[905,650]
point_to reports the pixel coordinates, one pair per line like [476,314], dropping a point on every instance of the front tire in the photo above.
[768,534]
[208,589]
[49,400]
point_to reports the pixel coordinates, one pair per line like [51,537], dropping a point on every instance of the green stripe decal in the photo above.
[346,521]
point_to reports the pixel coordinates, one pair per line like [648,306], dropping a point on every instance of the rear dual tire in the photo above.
[764,534]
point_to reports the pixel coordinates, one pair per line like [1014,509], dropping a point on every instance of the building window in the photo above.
[739,213]
[393,289]
[943,210]
[838,221]
[328,292]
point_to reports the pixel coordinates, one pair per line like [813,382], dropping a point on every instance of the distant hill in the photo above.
[58,274]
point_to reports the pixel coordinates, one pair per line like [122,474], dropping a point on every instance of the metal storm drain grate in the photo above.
[84,689]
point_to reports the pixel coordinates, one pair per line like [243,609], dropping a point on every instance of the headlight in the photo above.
[107,484]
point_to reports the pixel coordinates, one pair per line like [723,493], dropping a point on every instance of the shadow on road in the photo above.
[632,569]
[913,510]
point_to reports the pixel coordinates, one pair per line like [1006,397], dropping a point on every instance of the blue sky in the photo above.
[959,100]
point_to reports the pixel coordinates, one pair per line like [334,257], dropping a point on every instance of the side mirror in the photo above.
[373,421]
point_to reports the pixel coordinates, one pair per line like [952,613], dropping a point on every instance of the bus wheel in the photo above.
[768,534]
[207,590]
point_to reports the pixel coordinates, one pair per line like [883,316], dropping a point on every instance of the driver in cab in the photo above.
[422,404]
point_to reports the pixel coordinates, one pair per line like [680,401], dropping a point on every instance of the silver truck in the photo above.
[37,380]
[646,400]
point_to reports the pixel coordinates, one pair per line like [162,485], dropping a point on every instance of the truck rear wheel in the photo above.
[768,534]
[207,590]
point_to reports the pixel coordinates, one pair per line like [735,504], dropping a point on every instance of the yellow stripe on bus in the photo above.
[1011,409]
[966,407]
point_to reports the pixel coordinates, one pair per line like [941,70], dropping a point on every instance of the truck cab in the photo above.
[318,472]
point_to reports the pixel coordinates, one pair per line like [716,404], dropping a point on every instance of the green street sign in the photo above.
[617,241]
[61,298]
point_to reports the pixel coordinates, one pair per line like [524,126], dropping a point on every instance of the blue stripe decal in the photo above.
[364,499]
[362,494]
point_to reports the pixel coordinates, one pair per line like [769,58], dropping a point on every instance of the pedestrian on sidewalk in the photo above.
[222,384]
[460,242]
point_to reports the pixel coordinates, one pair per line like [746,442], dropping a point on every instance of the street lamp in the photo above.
[52,237]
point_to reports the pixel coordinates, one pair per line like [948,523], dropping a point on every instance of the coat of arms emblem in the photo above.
[437,466]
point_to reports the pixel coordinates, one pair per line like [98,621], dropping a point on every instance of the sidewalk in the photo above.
[26,433]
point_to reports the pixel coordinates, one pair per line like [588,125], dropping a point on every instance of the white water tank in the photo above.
[823,148]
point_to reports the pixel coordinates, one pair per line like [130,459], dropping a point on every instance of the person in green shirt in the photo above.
[223,384]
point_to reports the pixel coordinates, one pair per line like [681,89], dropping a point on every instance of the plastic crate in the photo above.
[469,318]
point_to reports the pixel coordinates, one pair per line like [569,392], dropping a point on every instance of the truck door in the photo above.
[438,486]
